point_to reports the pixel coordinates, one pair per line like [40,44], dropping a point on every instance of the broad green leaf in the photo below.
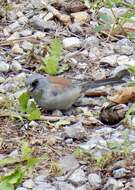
[98,28]
[33,111]
[56,48]
[131,69]
[15,177]
[23,100]
[5,186]
[26,151]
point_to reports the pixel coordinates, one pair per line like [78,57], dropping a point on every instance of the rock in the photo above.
[68,163]
[16,66]
[23,20]
[120,71]
[27,45]
[57,113]
[132,182]
[84,187]
[14,26]
[84,101]
[91,42]
[51,140]
[26,32]
[94,180]
[125,60]
[133,122]
[4,67]
[80,17]
[28,184]
[93,142]
[121,172]
[33,124]
[76,131]
[124,46]
[37,4]
[64,186]
[75,28]
[48,16]
[42,25]
[78,177]
[113,184]
[69,141]
[111,60]
[14,154]
[41,178]
[94,54]
[16,49]
[71,42]
[21,188]
[44,186]
[14,36]
[39,34]
[120,11]
[130,1]
[2,79]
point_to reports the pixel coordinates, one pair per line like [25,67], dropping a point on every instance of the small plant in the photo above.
[128,116]
[29,107]
[51,62]
[14,178]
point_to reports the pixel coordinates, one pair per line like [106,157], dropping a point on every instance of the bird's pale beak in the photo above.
[30,88]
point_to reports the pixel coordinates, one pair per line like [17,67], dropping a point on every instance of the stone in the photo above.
[121,172]
[71,42]
[91,42]
[16,66]
[14,26]
[80,17]
[4,67]
[44,186]
[94,180]
[33,124]
[125,60]
[21,188]
[64,186]
[37,4]
[2,79]
[111,60]
[113,184]
[78,177]
[39,34]
[124,47]
[28,184]
[14,36]
[16,49]
[14,154]
[23,20]
[25,33]
[75,28]
[76,131]
[39,24]
[27,45]
[68,163]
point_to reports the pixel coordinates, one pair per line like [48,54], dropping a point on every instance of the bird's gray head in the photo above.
[33,81]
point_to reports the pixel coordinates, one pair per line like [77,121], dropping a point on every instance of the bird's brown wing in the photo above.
[60,82]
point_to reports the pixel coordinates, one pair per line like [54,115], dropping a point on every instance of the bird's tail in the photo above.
[103,82]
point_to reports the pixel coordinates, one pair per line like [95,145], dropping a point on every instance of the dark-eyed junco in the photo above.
[59,93]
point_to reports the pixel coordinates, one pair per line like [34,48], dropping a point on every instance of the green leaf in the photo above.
[5,186]
[50,63]
[105,18]
[26,151]
[23,100]
[98,28]
[33,111]
[131,69]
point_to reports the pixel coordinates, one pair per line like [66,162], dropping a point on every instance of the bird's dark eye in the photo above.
[34,83]
[54,93]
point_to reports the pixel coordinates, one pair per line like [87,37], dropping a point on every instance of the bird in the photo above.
[58,93]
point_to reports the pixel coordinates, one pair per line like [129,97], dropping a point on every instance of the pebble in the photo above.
[21,188]
[121,172]
[16,66]
[78,177]
[2,79]
[68,163]
[94,180]
[80,17]
[71,42]
[113,184]
[4,67]
[124,47]
[14,26]
[23,20]
[28,184]
[27,45]
[91,42]
[44,186]
[16,49]
[76,131]
[33,124]
[64,186]
[111,60]
[25,33]
[75,28]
